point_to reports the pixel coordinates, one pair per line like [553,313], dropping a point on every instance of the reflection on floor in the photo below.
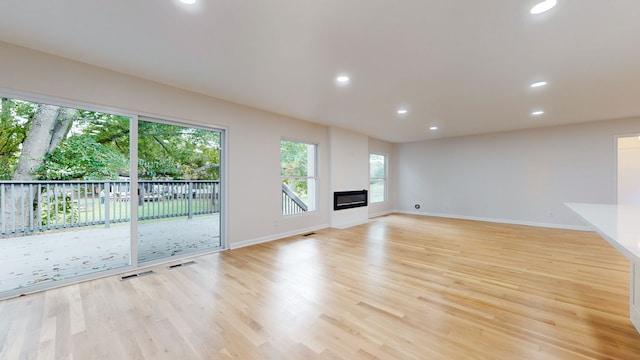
[25,261]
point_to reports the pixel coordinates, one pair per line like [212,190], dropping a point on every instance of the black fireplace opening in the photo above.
[350,199]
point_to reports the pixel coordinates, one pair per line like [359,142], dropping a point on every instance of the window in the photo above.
[298,172]
[377,178]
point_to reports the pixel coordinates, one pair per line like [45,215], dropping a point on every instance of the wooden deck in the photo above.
[54,256]
[400,287]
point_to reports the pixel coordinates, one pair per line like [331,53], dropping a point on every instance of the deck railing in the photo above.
[32,206]
[291,203]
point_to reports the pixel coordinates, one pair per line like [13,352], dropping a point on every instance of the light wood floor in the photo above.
[401,287]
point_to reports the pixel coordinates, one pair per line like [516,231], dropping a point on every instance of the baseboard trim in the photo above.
[381,213]
[264,239]
[634,312]
[635,317]
[501,221]
[268,238]
[350,224]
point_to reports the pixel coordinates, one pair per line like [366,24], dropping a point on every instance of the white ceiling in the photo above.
[463,65]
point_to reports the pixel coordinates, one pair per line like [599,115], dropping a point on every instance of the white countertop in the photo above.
[618,224]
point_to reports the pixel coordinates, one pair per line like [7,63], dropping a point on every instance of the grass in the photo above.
[93,210]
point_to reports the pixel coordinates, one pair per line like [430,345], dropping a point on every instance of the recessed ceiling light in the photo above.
[538,84]
[537,113]
[433,128]
[544,6]
[342,79]
[188,2]
[402,111]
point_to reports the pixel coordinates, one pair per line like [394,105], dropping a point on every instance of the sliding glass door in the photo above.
[179,193]
[64,178]
[72,207]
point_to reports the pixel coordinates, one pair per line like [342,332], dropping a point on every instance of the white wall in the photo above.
[520,177]
[382,147]
[349,171]
[254,210]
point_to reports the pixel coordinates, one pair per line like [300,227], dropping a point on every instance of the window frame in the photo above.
[312,199]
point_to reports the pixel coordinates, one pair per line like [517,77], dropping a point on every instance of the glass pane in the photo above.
[297,159]
[62,212]
[376,191]
[298,195]
[377,166]
[298,169]
[179,190]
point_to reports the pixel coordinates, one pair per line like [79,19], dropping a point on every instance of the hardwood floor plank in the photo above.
[12,348]
[399,287]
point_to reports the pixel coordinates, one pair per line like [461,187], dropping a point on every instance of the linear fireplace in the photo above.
[349,199]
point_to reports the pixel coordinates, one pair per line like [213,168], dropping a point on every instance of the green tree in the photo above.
[47,126]
[81,157]
[48,142]
[71,144]
[15,120]
[294,165]
[293,158]
[168,151]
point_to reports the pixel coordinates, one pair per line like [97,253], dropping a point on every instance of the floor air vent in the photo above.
[182,264]
[131,276]
[309,234]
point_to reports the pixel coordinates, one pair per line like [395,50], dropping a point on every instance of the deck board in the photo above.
[55,256]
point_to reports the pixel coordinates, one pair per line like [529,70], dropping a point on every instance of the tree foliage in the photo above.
[293,158]
[95,146]
[15,121]
[294,165]
[49,126]
[81,157]
[175,152]
[49,142]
